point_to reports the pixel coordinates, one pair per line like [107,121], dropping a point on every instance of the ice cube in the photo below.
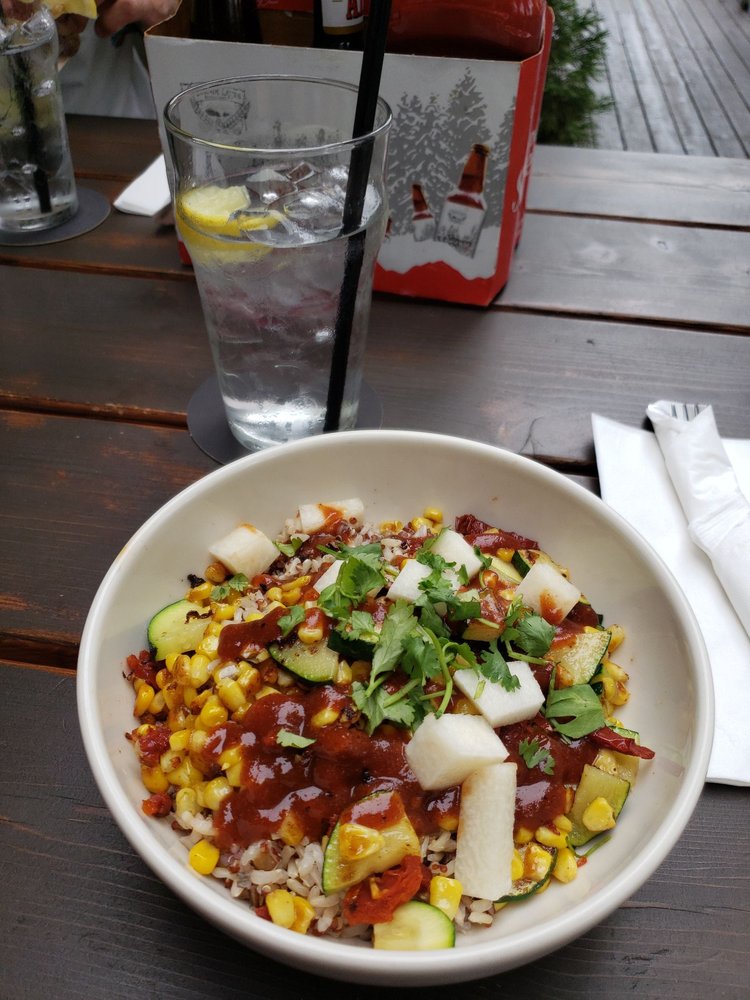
[298,173]
[267,185]
[316,210]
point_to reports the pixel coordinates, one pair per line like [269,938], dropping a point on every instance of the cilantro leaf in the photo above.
[238,582]
[430,619]
[419,658]
[293,740]
[379,705]
[361,625]
[578,705]
[492,666]
[398,623]
[361,573]
[535,635]
[534,754]
[289,548]
[295,616]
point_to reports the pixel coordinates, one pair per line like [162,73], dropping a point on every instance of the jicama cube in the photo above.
[445,750]
[484,840]
[406,584]
[499,706]
[329,576]
[546,591]
[245,550]
[313,516]
[455,549]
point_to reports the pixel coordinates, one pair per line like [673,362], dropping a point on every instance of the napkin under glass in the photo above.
[702,509]
[149,193]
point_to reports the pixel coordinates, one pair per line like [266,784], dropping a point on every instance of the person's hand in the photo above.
[117,14]
[69,28]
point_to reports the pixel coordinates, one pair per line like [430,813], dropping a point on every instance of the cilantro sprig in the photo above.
[238,582]
[536,755]
[294,741]
[574,711]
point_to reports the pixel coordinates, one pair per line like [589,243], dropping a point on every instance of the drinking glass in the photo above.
[37,185]
[261,167]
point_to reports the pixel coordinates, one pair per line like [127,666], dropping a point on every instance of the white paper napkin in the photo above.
[635,482]
[148,193]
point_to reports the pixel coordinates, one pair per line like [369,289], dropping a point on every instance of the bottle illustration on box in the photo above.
[465,208]
[423,221]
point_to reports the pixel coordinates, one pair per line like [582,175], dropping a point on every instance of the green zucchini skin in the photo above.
[177,628]
[594,784]
[316,663]
[415,926]
[579,660]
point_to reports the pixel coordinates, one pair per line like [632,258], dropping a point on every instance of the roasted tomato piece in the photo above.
[374,900]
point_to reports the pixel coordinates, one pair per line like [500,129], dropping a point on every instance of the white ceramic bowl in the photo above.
[398,474]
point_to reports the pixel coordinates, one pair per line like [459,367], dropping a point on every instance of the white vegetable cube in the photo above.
[546,591]
[499,706]
[245,550]
[330,576]
[484,840]
[313,516]
[455,549]
[406,584]
[444,751]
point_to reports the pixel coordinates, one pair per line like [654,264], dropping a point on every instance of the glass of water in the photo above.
[261,166]
[37,185]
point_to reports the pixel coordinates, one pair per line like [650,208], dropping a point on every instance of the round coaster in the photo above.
[93,209]
[209,429]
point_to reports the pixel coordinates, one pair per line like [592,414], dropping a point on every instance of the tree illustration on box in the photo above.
[430,143]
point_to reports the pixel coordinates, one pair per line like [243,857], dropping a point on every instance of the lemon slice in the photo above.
[87,8]
[210,222]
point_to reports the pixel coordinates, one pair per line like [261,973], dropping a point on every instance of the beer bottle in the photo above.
[422,219]
[465,208]
[225,20]
[339,24]
[491,29]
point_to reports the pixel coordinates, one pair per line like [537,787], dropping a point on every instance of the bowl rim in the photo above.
[340,960]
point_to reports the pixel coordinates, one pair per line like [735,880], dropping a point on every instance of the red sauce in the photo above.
[541,797]
[239,639]
[489,539]
[317,783]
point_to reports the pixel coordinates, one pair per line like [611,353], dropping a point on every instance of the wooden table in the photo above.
[631,284]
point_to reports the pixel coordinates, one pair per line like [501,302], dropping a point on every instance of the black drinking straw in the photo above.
[359,171]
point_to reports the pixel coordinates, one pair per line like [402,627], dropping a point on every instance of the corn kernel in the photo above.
[213,713]
[291,830]
[203,857]
[224,613]
[523,835]
[185,774]
[190,695]
[615,671]
[198,740]
[162,678]
[143,699]
[199,669]
[138,683]
[154,779]
[462,706]
[208,645]
[448,822]
[158,703]
[617,635]
[598,816]
[563,824]
[213,629]
[357,841]
[265,691]
[304,914]
[280,903]
[215,792]
[233,775]
[393,526]
[361,670]
[551,837]
[231,694]
[185,801]
[325,717]
[420,522]
[445,894]
[566,865]
[230,756]
[516,865]
[261,656]
[275,594]
[506,555]
[200,593]
[180,740]
[248,678]
[291,597]
[343,673]
[310,635]
[170,659]
[536,862]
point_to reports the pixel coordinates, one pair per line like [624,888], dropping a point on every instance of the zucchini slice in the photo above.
[390,845]
[595,784]
[505,570]
[539,876]
[524,559]
[578,661]
[482,630]
[178,628]
[316,663]
[415,926]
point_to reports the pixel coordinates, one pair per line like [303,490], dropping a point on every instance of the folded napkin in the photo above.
[149,193]
[635,482]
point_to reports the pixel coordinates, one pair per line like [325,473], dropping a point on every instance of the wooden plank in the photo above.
[707,190]
[62,526]
[639,270]
[112,148]
[630,113]
[108,927]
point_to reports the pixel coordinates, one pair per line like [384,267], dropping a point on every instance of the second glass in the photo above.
[261,167]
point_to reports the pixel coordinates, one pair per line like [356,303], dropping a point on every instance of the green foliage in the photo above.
[577,58]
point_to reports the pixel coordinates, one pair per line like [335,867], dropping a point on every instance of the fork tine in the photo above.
[686,411]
